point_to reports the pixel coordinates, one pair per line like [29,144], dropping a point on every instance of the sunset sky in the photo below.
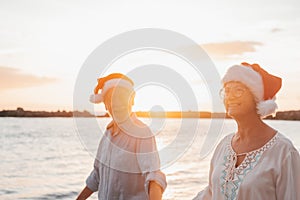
[43,45]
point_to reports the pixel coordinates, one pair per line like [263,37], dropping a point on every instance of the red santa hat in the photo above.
[263,85]
[108,82]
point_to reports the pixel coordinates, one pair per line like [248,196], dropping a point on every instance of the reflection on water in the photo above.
[43,158]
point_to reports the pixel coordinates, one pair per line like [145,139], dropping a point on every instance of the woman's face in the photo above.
[118,102]
[238,99]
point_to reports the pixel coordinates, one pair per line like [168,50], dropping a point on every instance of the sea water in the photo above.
[48,158]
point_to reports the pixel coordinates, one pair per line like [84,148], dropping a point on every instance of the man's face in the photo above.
[118,102]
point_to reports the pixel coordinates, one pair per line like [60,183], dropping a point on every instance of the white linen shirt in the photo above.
[125,164]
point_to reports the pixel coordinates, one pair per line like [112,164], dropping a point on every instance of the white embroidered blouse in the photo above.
[270,172]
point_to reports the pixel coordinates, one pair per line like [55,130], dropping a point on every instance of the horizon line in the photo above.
[63,110]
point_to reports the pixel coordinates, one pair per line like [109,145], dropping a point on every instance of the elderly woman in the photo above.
[127,164]
[256,162]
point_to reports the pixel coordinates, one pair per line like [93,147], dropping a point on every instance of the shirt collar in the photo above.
[111,126]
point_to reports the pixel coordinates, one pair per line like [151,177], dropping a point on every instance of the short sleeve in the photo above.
[92,181]
[149,162]
[147,155]
[157,177]
[288,181]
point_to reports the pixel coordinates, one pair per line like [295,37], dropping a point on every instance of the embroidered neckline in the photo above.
[250,156]
[233,176]
[261,149]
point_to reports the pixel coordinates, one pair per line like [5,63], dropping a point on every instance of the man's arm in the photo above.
[155,191]
[85,193]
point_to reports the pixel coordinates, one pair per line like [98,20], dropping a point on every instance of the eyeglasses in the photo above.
[235,91]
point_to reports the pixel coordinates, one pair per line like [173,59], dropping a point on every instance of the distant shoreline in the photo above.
[20,112]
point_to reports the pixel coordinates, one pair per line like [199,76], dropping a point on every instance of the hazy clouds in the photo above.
[226,50]
[13,78]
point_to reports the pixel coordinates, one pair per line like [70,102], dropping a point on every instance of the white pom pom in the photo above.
[96,98]
[265,108]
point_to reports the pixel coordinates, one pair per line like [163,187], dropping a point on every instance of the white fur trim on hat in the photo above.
[265,108]
[247,76]
[117,82]
[96,98]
